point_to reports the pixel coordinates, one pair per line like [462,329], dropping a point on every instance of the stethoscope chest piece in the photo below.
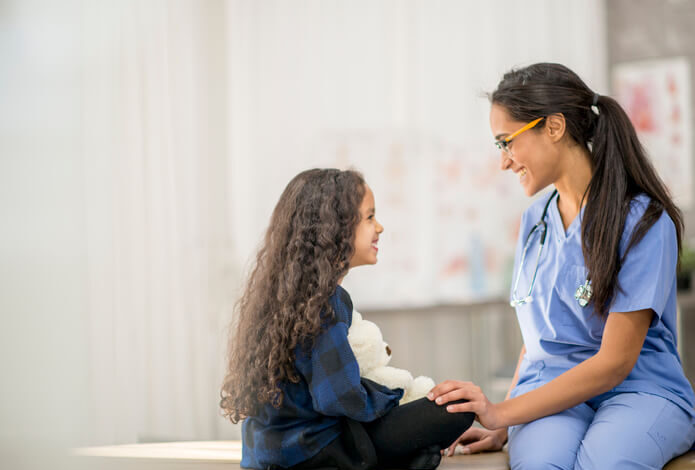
[583,294]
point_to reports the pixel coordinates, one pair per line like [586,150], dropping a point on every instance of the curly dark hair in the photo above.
[306,251]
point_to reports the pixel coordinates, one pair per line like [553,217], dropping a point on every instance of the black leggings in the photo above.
[409,436]
[416,425]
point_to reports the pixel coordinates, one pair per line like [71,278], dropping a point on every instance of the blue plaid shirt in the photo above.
[329,389]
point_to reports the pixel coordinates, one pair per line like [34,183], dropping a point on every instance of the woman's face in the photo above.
[533,155]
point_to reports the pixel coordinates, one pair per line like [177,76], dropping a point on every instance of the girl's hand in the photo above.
[452,390]
[477,440]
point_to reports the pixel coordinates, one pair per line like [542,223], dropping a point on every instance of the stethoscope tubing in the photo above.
[541,224]
[584,291]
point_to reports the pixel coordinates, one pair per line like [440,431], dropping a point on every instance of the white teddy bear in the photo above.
[373,356]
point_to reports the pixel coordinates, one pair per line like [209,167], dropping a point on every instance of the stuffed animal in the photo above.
[373,356]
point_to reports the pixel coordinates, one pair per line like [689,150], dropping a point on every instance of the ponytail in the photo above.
[621,171]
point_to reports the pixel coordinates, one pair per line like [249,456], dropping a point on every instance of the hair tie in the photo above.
[594,104]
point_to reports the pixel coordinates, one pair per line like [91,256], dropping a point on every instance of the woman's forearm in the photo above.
[584,381]
[621,344]
[623,337]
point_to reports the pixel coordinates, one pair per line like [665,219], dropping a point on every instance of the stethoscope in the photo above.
[583,292]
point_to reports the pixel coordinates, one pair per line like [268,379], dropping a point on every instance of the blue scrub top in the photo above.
[559,333]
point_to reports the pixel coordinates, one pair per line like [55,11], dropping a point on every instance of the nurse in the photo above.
[599,383]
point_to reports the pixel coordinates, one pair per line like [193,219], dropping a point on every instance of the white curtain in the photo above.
[160,276]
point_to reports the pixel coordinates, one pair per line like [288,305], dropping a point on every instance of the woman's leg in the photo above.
[418,425]
[549,442]
[635,430]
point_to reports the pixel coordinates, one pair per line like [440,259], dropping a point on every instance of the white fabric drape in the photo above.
[160,280]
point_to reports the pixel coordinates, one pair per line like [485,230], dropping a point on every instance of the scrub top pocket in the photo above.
[570,312]
[570,328]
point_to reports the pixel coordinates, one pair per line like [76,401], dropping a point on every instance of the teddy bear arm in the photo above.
[419,388]
[391,377]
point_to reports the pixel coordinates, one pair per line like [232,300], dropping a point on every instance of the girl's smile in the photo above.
[367,233]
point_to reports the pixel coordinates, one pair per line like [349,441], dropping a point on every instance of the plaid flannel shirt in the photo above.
[329,389]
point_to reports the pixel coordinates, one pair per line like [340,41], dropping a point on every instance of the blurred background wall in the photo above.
[643,31]
[143,145]
[44,339]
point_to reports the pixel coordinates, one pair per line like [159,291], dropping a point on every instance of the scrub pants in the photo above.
[616,430]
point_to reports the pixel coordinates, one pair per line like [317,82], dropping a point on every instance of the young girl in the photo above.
[599,383]
[292,376]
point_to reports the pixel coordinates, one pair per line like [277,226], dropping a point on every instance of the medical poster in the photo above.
[656,96]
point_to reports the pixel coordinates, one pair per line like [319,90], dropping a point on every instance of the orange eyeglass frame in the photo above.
[503,144]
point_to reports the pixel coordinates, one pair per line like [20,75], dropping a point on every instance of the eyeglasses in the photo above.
[503,144]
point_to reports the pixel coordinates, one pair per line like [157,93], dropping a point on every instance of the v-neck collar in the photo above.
[559,225]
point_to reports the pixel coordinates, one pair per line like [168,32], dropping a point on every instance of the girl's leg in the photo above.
[635,430]
[416,426]
[352,450]
[550,442]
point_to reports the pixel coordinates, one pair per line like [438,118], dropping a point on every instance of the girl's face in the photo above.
[533,155]
[367,233]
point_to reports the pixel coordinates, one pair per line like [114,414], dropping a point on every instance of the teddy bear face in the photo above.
[368,345]
[373,356]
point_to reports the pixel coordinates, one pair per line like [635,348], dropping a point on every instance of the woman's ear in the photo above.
[555,126]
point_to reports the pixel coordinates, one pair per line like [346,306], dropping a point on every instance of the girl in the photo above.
[292,376]
[599,383]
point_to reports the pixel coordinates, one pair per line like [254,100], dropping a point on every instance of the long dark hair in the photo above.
[306,250]
[620,167]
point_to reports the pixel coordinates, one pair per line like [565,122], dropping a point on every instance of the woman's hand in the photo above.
[477,440]
[452,390]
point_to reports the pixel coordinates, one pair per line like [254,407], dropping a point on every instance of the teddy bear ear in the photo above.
[356,316]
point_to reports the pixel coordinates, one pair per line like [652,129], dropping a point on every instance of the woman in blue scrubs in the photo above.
[599,383]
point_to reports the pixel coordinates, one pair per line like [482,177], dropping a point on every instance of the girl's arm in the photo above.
[333,376]
[622,342]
